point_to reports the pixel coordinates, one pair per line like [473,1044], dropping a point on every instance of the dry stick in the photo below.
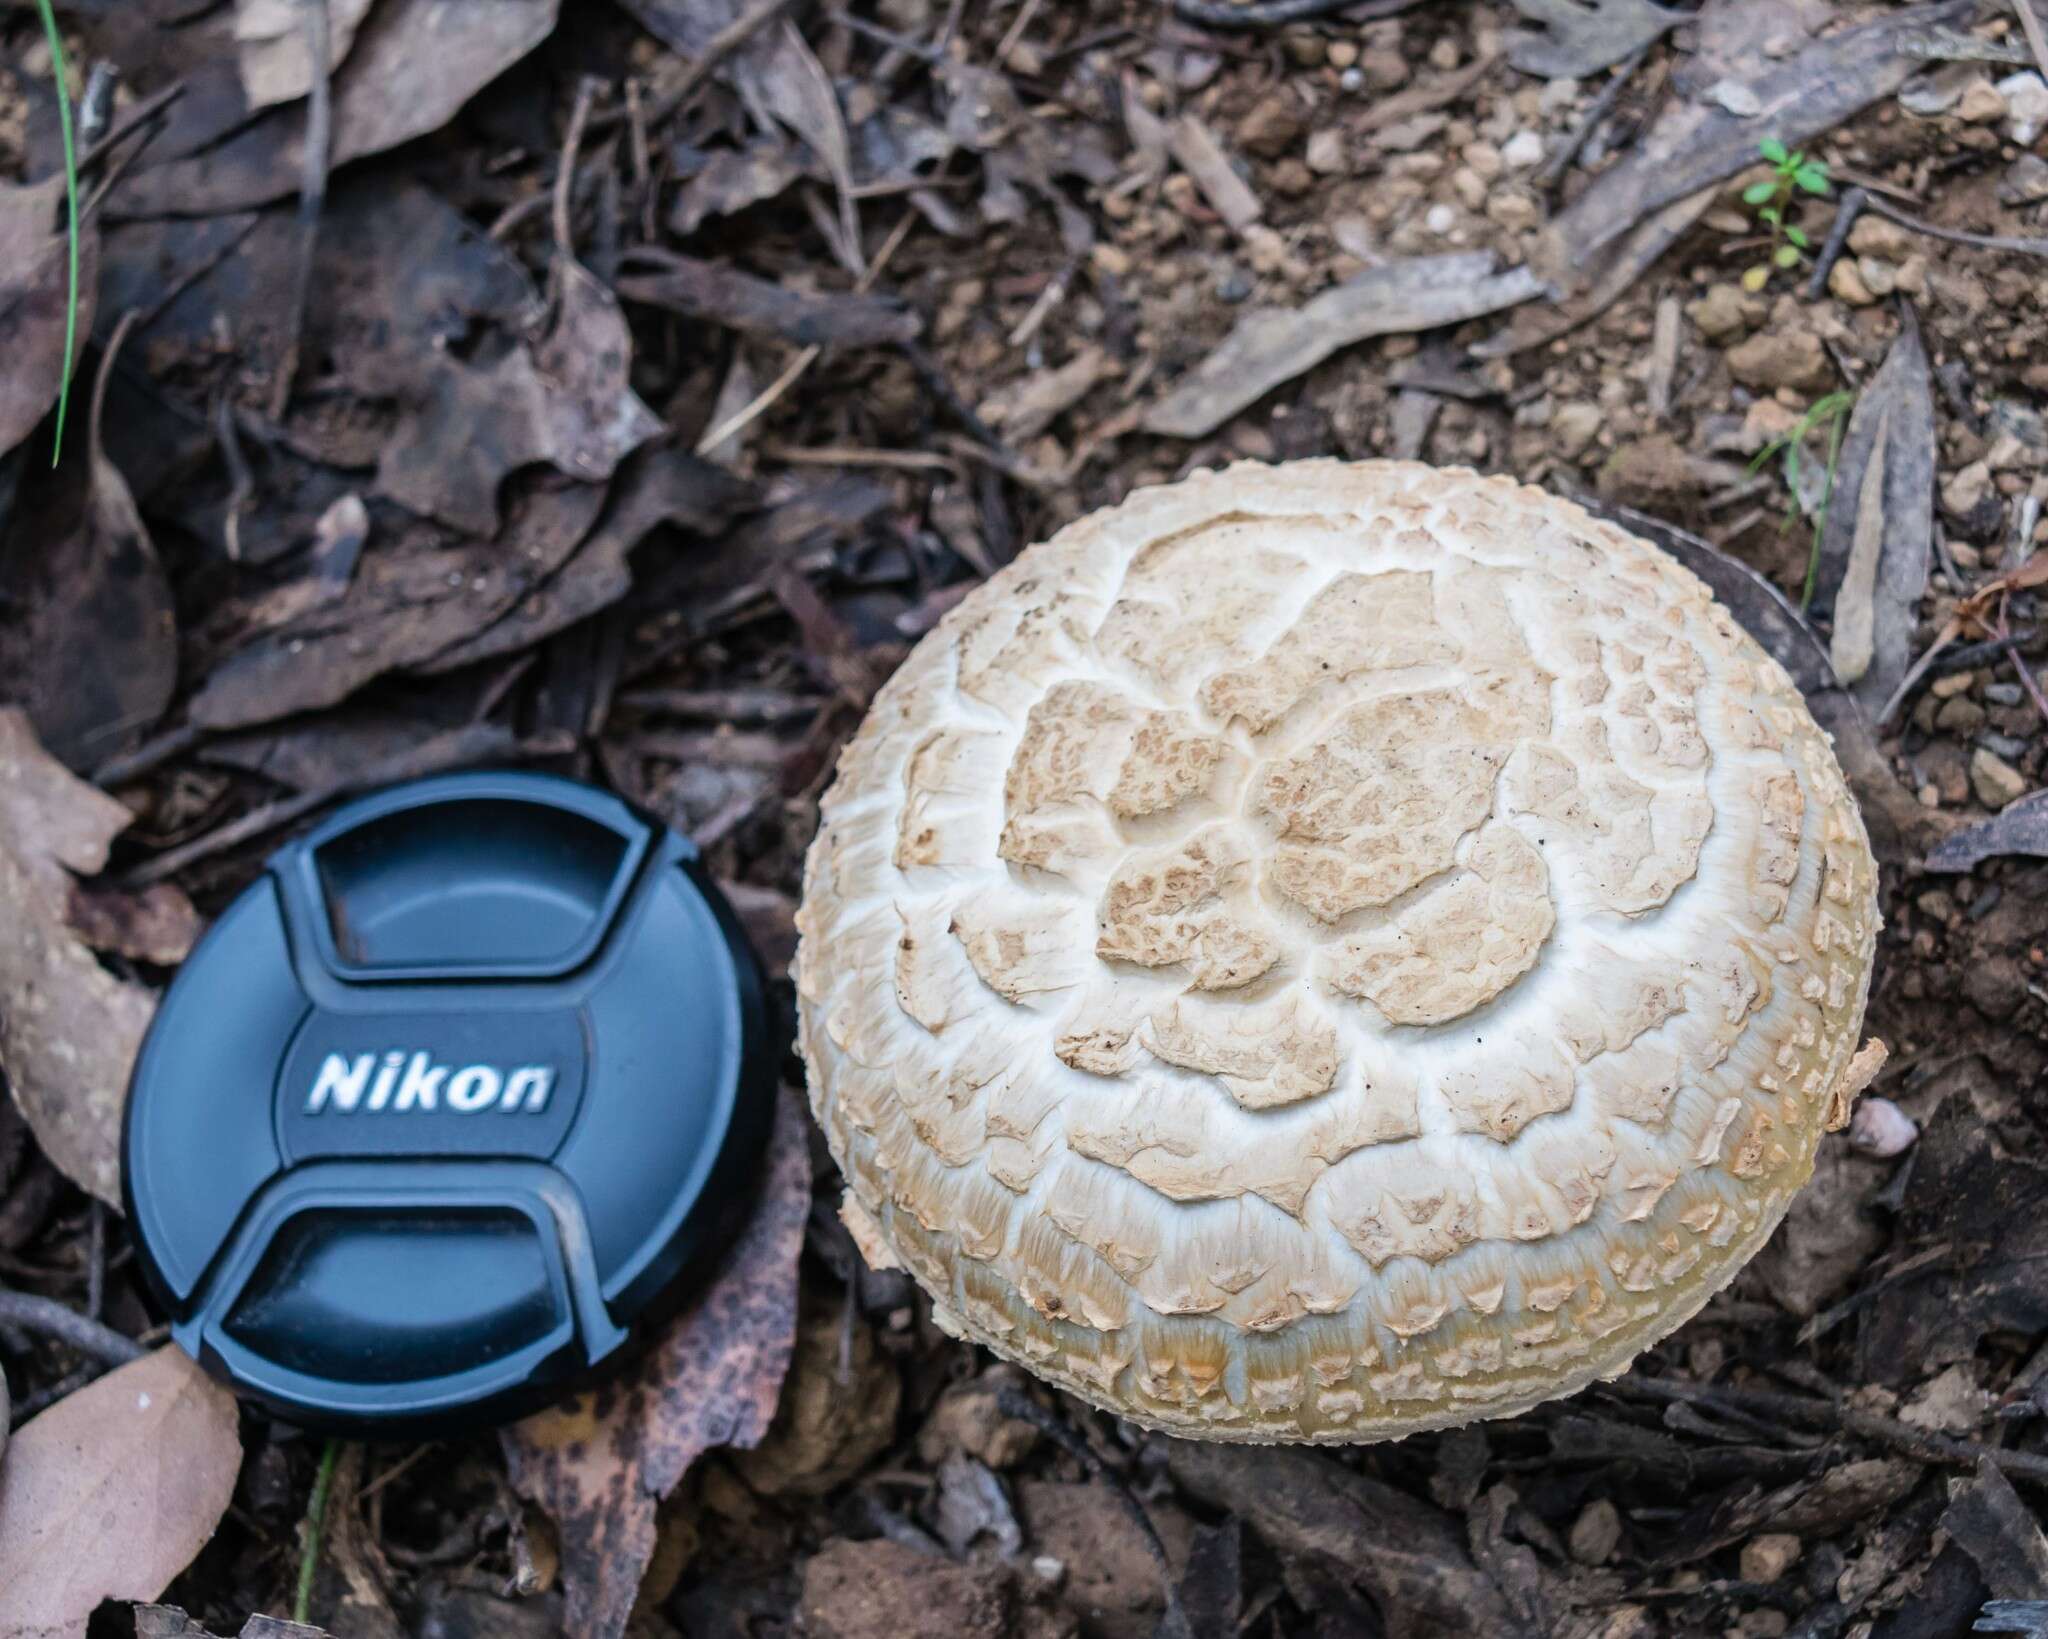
[151,754]
[1236,14]
[67,1326]
[1983,241]
[565,172]
[763,401]
[1603,105]
[1914,1442]
[1025,14]
[312,194]
[1846,213]
[2030,20]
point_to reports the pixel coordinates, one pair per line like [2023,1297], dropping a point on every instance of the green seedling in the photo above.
[1830,412]
[57,68]
[1792,174]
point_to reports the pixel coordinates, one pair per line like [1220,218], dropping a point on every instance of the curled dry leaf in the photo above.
[1273,345]
[1878,540]
[90,645]
[601,1463]
[409,600]
[414,64]
[168,1622]
[565,401]
[274,53]
[34,282]
[109,1493]
[1575,37]
[69,1029]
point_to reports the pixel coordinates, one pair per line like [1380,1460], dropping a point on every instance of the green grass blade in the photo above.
[71,211]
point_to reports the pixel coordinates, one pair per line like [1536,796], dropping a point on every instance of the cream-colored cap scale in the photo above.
[1323,951]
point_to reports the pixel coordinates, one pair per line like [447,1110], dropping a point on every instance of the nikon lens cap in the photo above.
[472,1079]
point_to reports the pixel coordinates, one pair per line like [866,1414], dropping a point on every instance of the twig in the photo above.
[312,194]
[152,753]
[316,1530]
[67,1326]
[1914,1442]
[1846,212]
[190,276]
[96,1258]
[1246,14]
[565,172]
[1603,105]
[1983,241]
[2030,21]
[1025,14]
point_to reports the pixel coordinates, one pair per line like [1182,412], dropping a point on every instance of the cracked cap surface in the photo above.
[1324,951]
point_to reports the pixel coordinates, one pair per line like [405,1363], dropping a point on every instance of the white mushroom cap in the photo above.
[1323,951]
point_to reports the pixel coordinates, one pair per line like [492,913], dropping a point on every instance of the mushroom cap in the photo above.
[1323,951]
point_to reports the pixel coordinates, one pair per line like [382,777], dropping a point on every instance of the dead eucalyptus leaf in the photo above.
[1877,544]
[109,1493]
[1272,345]
[156,925]
[168,1622]
[1697,144]
[414,64]
[2018,828]
[274,53]
[69,1029]
[601,1463]
[1576,37]
[410,598]
[798,92]
[34,280]
[734,178]
[566,401]
[90,645]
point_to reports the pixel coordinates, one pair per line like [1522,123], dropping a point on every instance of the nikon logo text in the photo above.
[397,1081]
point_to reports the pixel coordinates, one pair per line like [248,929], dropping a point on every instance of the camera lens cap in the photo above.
[470,1081]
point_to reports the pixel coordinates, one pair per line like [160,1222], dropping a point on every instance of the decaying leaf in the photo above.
[1408,1556]
[69,1029]
[274,53]
[414,64]
[734,178]
[90,646]
[1878,540]
[795,88]
[1576,37]
[2018,828]
[34,282]
[740,301]
[1987,1520]
[565,401]
[168,1622]
[1272,345]
[109,1493]
[156,925]
[411,598]
[1698,144]
[600,1464]
[657,485]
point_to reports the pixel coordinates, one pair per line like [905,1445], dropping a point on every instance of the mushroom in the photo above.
[1323,951]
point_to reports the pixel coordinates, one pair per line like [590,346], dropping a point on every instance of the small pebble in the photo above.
[1522,150]
[1440,220]
[1766,1558]
[1880,1129]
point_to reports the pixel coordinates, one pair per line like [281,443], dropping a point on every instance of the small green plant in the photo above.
[1792,174]
[61,75]
[1831,412]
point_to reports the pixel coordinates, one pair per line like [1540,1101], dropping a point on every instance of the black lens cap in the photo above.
[473,1078]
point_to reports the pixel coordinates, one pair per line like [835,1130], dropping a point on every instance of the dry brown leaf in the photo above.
[109,1493]
[413,66]
[565,401]
[798,92]
[274,53]
[168,1622]
[601,1463]
[2018,828]
[1576,37]
[69,1029]
[1026,407]
[33,286]
[90,645]
[1878,541]
[1272,344]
